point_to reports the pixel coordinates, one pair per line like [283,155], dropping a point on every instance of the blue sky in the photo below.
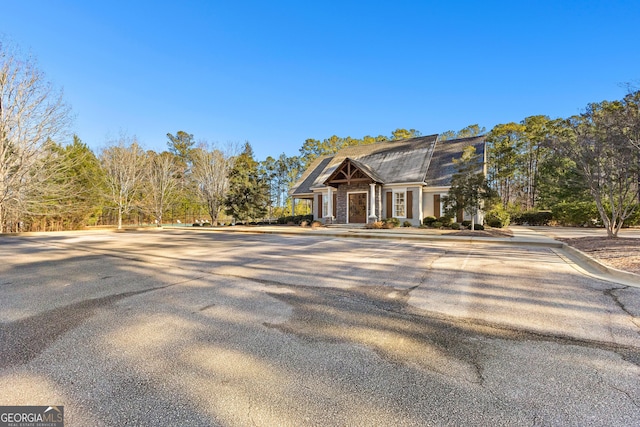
[275,73]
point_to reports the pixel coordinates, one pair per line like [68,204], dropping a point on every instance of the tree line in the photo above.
[584,169]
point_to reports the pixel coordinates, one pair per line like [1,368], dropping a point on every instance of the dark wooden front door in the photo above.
[358,208]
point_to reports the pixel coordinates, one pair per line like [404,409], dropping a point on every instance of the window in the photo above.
[399,204]
[325,206]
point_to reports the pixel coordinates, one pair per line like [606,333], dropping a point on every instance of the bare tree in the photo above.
[161,182]
[599,142]
[211,168]
[124,166]
[32,115]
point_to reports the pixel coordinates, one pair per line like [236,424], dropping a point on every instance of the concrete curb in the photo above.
[625,276]
[386,234]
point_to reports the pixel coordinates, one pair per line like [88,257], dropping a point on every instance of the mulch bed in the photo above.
[621,253]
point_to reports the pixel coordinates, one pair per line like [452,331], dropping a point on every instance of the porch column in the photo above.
[329,205]
[372,205]
[380,202]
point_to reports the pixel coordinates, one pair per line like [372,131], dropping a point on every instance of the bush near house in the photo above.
[478,227]
[295,219]
[493,222]
[455,226]
[497,217]
[429,220]
[391,222]
[406,224]
[446,220]
[374,225]
[436,224]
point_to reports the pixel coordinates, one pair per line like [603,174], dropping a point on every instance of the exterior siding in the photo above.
[413,205]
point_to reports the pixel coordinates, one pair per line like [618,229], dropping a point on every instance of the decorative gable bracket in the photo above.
[351,172]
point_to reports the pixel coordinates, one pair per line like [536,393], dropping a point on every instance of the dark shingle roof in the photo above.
[442,168]
[303,185]
[393,162]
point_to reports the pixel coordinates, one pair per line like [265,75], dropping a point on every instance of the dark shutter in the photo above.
[335,200]
[436,205]
[389,204]
[319,206]
[410,204]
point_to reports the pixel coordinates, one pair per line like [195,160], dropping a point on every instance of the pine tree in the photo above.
[248,194]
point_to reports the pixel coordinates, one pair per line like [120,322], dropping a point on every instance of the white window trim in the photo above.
[393,198]
[325,206]
[356,192]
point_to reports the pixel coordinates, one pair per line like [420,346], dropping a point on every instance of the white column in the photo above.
[372,204]
[329,203]
[420,201]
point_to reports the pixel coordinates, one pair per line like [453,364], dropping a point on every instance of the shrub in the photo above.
[466,223]
[576,213]
[478,227]
[205,224]
[533,218]
[297,219]
[455,226]
[195,224]
[428,220]
[304,223]
[633,219]
[493,222]
[391,222]
[497,217]
[374,225]
[316,224]
[437,224]
[406,224]
[446,220]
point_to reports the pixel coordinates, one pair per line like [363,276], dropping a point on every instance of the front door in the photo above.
[357,208]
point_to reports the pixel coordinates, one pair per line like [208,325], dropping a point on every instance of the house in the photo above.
[403,179]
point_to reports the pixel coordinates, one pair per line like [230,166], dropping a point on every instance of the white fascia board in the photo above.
[322,189]
[435,189]
[404,185]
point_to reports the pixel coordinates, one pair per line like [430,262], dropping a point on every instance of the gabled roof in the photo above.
[303,185]
[353,169]
[414,160]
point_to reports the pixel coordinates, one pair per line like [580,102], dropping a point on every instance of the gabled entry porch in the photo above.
[358,193]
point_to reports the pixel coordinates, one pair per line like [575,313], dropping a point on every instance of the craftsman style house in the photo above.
[401,179]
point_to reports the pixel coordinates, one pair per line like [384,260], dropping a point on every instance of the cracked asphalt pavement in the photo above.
[184,327]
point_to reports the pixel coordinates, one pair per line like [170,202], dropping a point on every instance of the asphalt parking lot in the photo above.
[183,327]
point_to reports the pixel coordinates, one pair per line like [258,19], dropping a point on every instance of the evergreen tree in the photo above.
[248,194]
[468,185]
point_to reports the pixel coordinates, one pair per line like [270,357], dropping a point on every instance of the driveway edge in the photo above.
[627,277]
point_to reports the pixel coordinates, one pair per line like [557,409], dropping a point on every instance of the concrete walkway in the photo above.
[522,236]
